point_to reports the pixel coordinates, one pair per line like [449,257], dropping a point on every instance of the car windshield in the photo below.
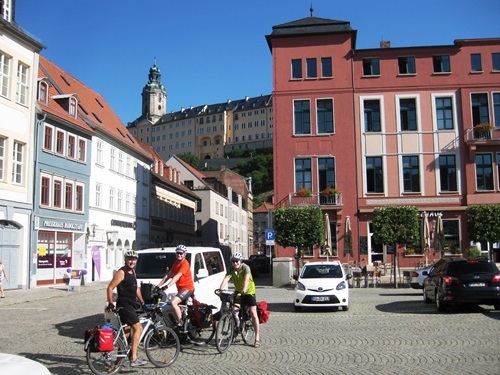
[461,268]
[322,271]
[155,265]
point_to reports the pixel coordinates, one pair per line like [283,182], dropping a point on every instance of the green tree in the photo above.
[300,227]
[395,225]
[191,159]
[483,223]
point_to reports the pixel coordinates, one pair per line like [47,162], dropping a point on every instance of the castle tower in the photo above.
[154,95]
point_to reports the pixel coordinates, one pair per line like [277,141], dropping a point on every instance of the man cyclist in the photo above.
[129,297]
[244,285]
[180,275]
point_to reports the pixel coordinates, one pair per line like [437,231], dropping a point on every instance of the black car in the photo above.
[455,281]
[262,262]
[254,268]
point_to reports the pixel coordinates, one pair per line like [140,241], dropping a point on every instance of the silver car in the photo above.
[418,277]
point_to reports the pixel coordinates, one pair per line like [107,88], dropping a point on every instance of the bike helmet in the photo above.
[236,256]
[131,254]
[181,249]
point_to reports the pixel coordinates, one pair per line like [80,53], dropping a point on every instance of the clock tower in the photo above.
[154,96]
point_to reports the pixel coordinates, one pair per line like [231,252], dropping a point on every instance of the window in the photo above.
[302,116]
[324,108]
[496,108]
[17,163]
[326,173]
[303,176]
[60,142]
[479,103]
[43,92]
[498,168]
[495,57]
[374,175]
[444,113]
[441,63]
[475,62]
[408,114]
[45,192]
[112,198]
[296,69]
[68,197]
[484,172]
[99,152]
[120,162]
[372,115]
[112,160]
[411,174]
[2,158]
[79,198]
[72,107]
[326,67]
[22,84]
[448,173]
[120,201]
[71,146]
[98,195]
[4,74]
[312,70]
[371,67]
[57,202]
[407,65]
[47,138]
[451,234]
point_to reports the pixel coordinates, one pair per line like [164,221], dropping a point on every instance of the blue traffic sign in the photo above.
[270,235]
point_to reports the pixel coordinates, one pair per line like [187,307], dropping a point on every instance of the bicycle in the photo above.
[198,324]
[232,322]
[160,343]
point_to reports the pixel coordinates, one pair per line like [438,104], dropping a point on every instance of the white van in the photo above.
[207,267]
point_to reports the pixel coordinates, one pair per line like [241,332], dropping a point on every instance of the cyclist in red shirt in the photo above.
[180,275]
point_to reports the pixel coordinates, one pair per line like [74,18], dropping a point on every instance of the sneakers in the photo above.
[138,362]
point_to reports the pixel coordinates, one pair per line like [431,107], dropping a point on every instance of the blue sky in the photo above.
[209,51]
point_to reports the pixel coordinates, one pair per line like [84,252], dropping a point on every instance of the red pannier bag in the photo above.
[263,312]
[105,337]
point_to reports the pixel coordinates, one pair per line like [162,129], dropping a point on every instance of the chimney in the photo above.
[385,44]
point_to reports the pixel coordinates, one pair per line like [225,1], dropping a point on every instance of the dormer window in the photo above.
[72,107]
[43,92]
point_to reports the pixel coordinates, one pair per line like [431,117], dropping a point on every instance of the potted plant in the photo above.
[483,130]
[329,191]
[304,192]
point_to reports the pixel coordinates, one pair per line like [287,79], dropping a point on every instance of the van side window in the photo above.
[213,261]
[198,263]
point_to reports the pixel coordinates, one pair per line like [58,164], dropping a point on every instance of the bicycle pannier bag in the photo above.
[263,312]
[99,339]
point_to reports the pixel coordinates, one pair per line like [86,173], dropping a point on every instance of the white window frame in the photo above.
[18,163]
[3,148]
[5,64]
[22,94]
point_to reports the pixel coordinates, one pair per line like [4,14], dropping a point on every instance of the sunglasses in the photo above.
[235,261]
[179,253]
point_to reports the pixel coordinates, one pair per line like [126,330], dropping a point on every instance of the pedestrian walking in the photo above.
[3,275]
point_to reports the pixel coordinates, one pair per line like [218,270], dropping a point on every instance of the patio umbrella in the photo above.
[426,236]
[328,236]
[348,238]
[438,235]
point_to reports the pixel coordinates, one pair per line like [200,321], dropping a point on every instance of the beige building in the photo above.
[207,131]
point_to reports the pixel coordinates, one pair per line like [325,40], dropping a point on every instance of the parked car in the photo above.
[262,261]
[322,284]
[417,277]
[455,281]
[17,365]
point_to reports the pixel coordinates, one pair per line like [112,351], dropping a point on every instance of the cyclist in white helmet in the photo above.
[180,275]
[129,295]
[244,286]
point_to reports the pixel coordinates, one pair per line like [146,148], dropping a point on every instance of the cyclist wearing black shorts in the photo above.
[244,285]
[129,299]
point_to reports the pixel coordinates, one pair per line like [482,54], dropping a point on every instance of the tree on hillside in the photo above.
[191,159]
[300,227]
[260,169]
[483,223]
[395,225]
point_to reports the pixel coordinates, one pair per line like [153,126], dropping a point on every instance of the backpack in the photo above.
[263,312]
[99,339]
[200,314]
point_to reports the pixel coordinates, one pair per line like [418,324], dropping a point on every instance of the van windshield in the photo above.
[155,265]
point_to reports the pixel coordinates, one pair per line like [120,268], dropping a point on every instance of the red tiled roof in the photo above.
[264,208]
[93,110]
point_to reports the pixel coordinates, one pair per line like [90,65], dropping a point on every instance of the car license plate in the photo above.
[476,284]
[320,299]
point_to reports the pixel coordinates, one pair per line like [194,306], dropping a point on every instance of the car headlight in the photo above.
[300,286]
[342,285]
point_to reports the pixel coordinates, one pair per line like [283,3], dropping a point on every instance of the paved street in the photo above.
[386,331]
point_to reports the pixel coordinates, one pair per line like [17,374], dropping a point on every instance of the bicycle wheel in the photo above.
[224,332]
[247,332]
[197,335]
[107,363]
[162,346]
